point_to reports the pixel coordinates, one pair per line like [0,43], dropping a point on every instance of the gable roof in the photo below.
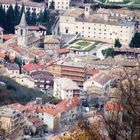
[100,78]
[63,106]
[32,67]
[67,84]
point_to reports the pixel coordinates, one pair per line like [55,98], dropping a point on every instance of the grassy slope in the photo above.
[13,92]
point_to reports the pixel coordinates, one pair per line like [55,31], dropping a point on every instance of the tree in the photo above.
[117,43]
[16,15]
[18,61]
[108,52]
[52,5]
[33,18]
[38,0]
[135,42]
[28,17]
[35,60]
[10,20]
[128,96]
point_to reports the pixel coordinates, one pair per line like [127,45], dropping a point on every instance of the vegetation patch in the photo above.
[83,43]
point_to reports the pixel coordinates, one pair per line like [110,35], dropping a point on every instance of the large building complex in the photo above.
[77,71]
[96,26]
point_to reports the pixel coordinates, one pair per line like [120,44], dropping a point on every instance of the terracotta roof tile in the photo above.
[18,107]
[60,107]
[32,67]
[114,107]
[2,55]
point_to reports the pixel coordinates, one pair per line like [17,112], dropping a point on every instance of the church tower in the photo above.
[22,32]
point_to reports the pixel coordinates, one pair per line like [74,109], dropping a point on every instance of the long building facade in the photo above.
[96,26]
[28,5]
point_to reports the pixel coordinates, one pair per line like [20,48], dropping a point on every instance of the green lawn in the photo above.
[137,2]
[83,43]
[116,3]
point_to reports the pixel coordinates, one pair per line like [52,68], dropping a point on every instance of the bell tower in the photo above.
[87,10]
[22,31]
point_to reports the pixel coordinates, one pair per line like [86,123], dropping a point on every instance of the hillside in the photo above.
[13,92]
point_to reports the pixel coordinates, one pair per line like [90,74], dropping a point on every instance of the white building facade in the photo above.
[65,88]
[28,5]
[95,26]
[60,4]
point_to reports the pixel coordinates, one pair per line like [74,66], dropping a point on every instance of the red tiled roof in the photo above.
[67,104]
[2,55]
[63,50]
[7,36]
[114,107]
[48,109]
[12,57]
[60,107]
[31,67]
[18,107]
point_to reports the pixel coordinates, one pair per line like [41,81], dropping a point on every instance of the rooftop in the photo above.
[51,39]
[20,2]
[12,66]
[114,107]
[73,12]
[67,84]
[95,17]
[32,67]
[7,112]
[72,64]
[42,75]
[63,106]
[100,78]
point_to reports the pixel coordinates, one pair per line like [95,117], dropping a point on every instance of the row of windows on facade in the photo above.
[99,25]
[27,8]
[62,7]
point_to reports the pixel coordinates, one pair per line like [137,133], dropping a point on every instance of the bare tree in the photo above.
[128,96]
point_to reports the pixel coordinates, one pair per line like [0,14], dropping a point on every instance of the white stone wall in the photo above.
[97,31]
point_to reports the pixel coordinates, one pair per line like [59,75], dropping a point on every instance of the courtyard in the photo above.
[83,45]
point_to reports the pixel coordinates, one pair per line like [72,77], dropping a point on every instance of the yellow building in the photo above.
[10,120]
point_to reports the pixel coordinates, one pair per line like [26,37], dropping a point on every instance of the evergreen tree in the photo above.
[117,43]
[17,15]
[28,17]
[38,0]
[10,20]
[52,5]
[3,19]
[35,60]
[33,18]
[18,61]
[135,42]
[108,52]
[45,18]
[1,15]
[40,18]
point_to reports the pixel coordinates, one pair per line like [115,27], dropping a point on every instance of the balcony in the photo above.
[72,73]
